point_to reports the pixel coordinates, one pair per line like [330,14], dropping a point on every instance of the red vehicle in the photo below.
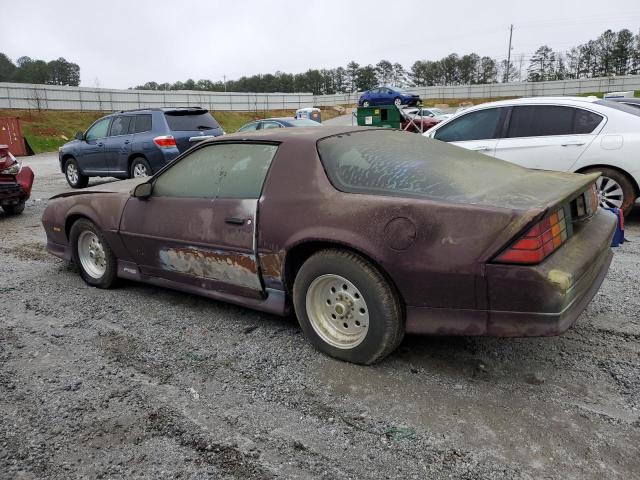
[15,182]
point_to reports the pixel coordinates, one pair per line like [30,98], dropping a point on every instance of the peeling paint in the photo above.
[560,278]
[234,268]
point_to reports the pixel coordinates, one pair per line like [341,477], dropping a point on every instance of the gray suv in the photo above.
[134,143]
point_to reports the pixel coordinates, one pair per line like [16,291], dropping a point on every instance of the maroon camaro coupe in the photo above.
[366,233]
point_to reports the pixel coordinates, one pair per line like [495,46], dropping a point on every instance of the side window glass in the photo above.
[120,126]
[585,121]
[142,123]
[225,170]
[267,125]
[249,128]
[540,120]
[479,125]
[98,130]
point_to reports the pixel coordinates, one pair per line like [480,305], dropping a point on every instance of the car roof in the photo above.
[634,100]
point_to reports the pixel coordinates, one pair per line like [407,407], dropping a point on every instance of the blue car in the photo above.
[387,96]
[134,143]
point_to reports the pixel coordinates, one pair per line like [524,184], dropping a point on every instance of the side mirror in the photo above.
[142,191]
[79,136]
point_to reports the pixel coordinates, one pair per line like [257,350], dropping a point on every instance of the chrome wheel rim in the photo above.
[365,104]
[398,102]
[610,194]
[91,254]
[72,173]
[140,170]
[337,311]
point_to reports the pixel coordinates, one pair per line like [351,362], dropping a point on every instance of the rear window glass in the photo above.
[543,120]
[404,164]
[619,106]
[142,123]
[304,122]
[182,121]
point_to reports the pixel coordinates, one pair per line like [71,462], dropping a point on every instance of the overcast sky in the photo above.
[121,44]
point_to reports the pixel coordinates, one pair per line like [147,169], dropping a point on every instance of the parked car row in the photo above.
[582,135]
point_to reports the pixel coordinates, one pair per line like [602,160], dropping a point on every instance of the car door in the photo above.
[92,160]
[117,146]
[199,225]
[477,130]
[548,137]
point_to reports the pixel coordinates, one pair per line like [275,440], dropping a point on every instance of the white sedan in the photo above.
[430,112]
[569,134]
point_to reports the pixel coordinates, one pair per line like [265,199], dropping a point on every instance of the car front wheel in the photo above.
[346,308]
[397,101]
[366,104]
[92,254]
[75,179]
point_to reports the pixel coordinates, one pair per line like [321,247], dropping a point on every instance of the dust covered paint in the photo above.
[236,269]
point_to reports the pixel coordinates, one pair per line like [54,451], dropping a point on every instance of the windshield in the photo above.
[187,121]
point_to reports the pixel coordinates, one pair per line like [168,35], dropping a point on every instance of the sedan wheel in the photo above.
[397,102]
[610,193]
[347,308]
[92,254]
[337,311]
[366,104]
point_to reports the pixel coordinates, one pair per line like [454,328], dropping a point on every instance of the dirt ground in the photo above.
[141,382]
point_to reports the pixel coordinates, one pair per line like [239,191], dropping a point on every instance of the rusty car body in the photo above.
[420,232]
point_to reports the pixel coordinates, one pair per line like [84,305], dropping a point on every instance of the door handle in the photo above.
[126,142]
[100,144]
[574,144]
[234,220]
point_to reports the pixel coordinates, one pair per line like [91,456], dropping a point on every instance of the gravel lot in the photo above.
[143,382]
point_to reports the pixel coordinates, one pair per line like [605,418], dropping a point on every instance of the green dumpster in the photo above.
[381,116]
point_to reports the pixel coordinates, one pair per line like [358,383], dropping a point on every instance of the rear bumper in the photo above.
[532,301]
[11,193]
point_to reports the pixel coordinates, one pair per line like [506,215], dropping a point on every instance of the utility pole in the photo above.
[506,75]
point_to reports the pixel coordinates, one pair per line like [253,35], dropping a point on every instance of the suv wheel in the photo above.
[75,179]
[140,168]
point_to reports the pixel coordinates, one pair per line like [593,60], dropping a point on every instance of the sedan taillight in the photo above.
[165,141]
[540,241]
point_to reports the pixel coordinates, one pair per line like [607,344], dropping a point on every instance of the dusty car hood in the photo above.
[122,186]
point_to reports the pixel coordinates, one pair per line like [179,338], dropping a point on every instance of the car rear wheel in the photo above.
[615,190]
[13,209]
[75,179]
[346,307]
[92,254]
[366,104]
[140,168]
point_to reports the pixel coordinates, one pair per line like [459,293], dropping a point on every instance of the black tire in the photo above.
[81,180]
[629,193]
[386,318]
[106,280]
[140,163]
[366,104]
[13,209]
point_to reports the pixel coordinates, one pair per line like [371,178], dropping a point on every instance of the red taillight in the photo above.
[539,242]
[165,141]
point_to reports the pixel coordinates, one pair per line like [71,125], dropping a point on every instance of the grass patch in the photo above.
[49,129]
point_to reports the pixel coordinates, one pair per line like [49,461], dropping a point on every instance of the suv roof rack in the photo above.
[161,109]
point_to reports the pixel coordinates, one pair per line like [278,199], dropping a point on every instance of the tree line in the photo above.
[612,53]
[28,70]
